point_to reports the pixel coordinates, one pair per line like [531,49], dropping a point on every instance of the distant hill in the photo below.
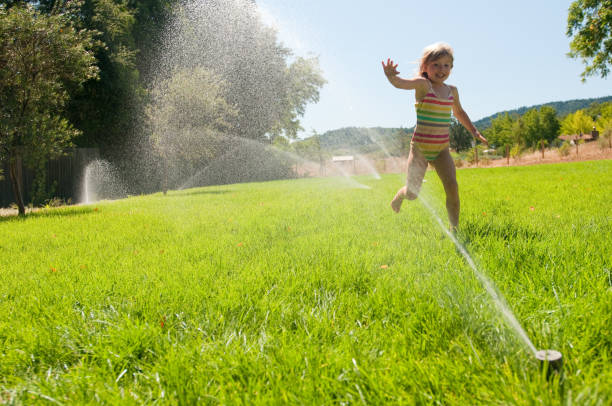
[563,108]
[363,140]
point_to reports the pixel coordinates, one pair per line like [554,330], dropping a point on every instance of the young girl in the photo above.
[430,142]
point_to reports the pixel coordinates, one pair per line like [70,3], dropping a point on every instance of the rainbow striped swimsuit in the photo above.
[433,121]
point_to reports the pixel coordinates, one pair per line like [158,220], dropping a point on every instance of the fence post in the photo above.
[508,155]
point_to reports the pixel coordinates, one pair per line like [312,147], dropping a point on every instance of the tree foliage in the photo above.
[589,23]
[460,137]
[190,120]
[41,58]
[577,123]
[562,108]
[540,125]
[529,130]
[104,109]
[501,132]
[265,83]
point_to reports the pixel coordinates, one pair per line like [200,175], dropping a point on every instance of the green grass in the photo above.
[312,292]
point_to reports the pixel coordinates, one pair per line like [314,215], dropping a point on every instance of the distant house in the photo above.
[344,160]
[584,137]
[576,137]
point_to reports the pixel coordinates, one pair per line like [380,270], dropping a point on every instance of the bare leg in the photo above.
[445,167]
[417,165]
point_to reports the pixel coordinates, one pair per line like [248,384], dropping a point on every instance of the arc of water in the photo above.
[497,298]
[189,182]
[244,141]
[382,147]
[369,165]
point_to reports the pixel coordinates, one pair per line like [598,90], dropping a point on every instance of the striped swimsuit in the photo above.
[433,121]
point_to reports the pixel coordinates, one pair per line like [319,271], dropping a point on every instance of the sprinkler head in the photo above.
[551,360]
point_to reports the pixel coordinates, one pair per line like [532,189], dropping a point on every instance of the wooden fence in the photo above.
[65,172]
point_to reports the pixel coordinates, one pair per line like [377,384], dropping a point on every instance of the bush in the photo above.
[458,162]
[470,156]
[604,140]
[516,151]
[57,202]
[564,149]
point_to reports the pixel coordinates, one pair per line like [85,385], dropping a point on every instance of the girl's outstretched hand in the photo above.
[479,136]
[389,68]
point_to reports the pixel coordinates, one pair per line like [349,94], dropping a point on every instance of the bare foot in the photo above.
[396,203]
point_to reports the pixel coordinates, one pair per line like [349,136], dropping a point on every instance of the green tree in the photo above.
[501,132]
[190,121]
[550,124]
[531,120]
[265,82]
[596,110]
[303,79]
[41,58]
[577,123]
[540,125]
[460,137]
[589,23]
[604,124]
[104,109]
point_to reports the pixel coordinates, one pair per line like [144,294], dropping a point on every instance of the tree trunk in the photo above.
[508,155]
[577,145]
[15,175]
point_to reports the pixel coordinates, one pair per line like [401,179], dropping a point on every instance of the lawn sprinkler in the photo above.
[550,360]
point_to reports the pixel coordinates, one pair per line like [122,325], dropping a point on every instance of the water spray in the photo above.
[550,360]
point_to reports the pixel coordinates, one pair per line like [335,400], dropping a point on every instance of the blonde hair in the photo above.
[432,53]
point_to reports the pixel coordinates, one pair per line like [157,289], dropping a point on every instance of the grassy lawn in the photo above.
[312,291]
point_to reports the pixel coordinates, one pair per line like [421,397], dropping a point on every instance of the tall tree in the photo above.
[539,125]
[589,23]
[41,58]
[550,124]
[500,134]
[577,123]
[460,137]
[104,109]
[190,121]
[268,86]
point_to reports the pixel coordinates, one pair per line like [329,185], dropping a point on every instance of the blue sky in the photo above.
[508,54]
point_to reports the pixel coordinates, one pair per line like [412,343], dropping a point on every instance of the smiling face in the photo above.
[439,69]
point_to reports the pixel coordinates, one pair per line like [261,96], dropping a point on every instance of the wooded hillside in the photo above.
[364,140]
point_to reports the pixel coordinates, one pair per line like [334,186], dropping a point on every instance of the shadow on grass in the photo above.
[67,211]
[194,192]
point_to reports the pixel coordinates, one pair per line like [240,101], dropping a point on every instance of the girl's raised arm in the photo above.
[391,73]
[463,118]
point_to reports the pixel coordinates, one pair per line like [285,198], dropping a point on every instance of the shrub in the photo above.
[605,139]
[516,151]
[564,149]
[57,202]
